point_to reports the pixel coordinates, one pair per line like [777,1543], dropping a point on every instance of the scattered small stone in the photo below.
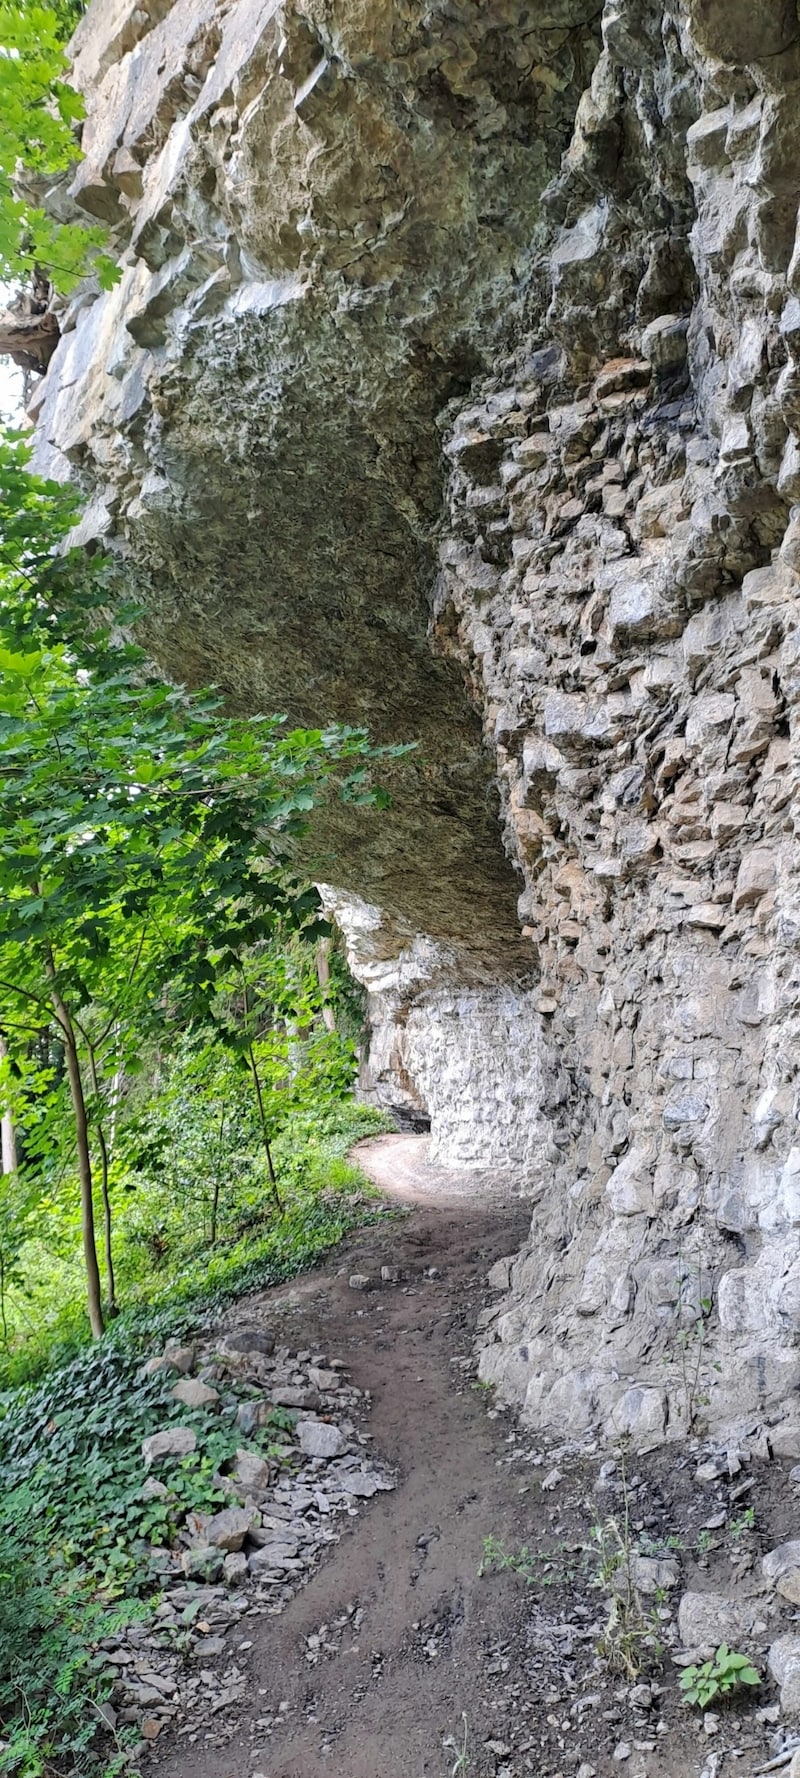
[227,1530]
[202,1563]
[781,1567]
[194,1394]
[783,1662]
[153,1489]
[317,1439]
[359,1281]
[183,1358]
[155,1366]
[707,1619]
[250,1339]
[177,1441]
[711,1470]
[622,1751]
[252,1470]
[234,1569]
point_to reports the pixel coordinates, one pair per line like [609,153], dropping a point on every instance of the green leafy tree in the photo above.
[39,112]
[145,839]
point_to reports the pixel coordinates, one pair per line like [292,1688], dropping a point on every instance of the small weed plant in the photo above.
[458,1747]
[538,1568]
[691,1338]
[629,1641]
[719,1679]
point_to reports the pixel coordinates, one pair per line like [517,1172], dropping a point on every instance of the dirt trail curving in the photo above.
[396,1642]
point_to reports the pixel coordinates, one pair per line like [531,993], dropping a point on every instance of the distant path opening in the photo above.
[400,1166]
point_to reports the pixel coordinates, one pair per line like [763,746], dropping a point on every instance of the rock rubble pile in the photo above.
[186,1668]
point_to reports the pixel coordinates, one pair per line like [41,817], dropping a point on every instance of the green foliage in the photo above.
[538,1568]
[146,861]
[79,1543]
[53,1679]
[39,115]
[165,1264]
[718,1679]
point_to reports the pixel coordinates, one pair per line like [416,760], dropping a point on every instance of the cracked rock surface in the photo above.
[451,385]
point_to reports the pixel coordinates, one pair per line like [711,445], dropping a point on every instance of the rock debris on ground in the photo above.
[421,1578]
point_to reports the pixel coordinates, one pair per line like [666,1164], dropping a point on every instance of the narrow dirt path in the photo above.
[397,1654]
[380,1705]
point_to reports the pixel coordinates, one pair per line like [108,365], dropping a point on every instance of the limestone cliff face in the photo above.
[452,386]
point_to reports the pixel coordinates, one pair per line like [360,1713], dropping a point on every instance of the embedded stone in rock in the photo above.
[316,1439]
[194,1394]
[781,1567]
[707,1619]
[498,1276]
[640,1414]
[785,1439]
[177,1441]
[756,876]
[251,1470]
[664,342]
[228,1529]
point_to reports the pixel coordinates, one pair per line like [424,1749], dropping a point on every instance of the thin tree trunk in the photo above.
[8,1136]
[262,1114]
[104,1193]
[110,1280]
[215,1193]
[324,977]
[93,1290]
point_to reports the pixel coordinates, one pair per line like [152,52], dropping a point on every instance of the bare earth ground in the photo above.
[409,1644]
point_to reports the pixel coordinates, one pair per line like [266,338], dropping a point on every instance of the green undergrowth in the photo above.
[82,1552]
[165,1264]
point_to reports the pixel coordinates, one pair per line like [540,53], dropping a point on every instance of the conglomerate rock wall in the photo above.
[452,386]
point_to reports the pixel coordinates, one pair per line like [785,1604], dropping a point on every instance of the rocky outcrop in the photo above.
[518,286]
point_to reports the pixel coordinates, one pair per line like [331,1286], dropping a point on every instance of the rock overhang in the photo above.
[325,224]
